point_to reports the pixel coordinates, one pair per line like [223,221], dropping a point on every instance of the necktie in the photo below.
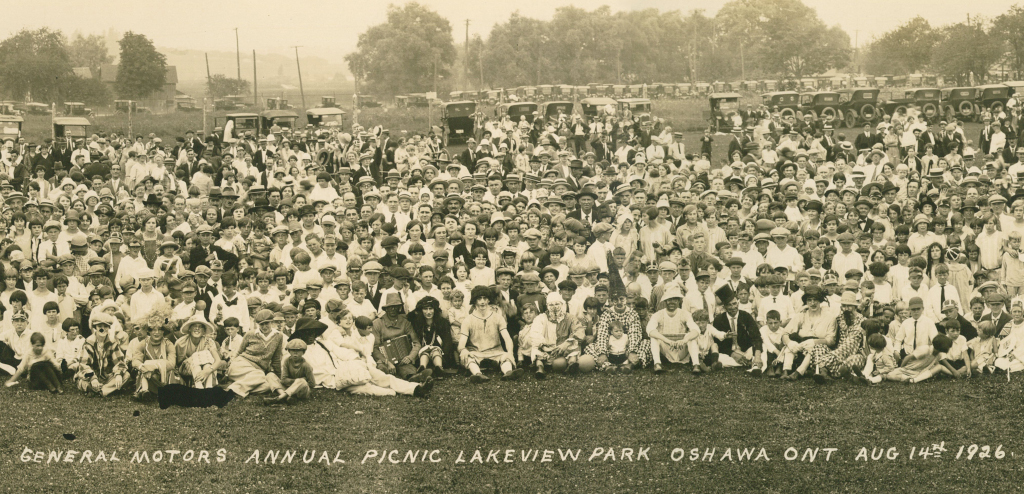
[942,296]
[230,303]
[704,298]
[54,249]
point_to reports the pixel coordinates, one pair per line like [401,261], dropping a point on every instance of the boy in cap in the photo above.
[917,331]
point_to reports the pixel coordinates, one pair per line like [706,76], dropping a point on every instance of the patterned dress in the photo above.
[851,337]
[638,343]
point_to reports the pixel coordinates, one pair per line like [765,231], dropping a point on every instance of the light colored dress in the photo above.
[484,342]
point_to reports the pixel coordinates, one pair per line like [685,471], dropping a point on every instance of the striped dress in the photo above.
[638,341]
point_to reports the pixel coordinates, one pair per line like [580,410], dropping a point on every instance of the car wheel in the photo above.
[966,108]
[868,112]
[851,118]
[930,110]
[787,112]
[829,114]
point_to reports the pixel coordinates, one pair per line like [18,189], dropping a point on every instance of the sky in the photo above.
[330,29]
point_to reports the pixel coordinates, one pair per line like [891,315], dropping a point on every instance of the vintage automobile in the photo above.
[1015,86]
[76,109]
[457,118]
[70,128]
[704,88]
[639,107]
[858,105]
[926,99]
[808,84]
[412,100]
[236,124]
[126,106]
[860,82]
[10,126]
[494,96]
[769,86]
[551,109]
[328,102]
[723,106]
[37,108]
[516,110]
[593,106]
[278,104]
[9,108]
[325,117]
[993,97]
[787,103]
[958,102]
[366,101]
[619,90]
[822,104]
[285,119]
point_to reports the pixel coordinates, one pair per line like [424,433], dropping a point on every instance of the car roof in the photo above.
[71,121]
[11,118]
[780,93]
[244,114]
[325,111]
[635,100]
[279,114]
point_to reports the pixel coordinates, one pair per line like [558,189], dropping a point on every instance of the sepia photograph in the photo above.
[544,246]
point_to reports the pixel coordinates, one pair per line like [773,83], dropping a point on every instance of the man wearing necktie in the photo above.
[941,292]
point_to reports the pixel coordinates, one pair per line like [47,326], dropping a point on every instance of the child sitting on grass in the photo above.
[984,347]
[880,361]
[618,348]
[958,357]
[924,362]
[701,344]
[773,350]
[69,348]
[231,345]
[526,342]
[296,374]
[40,365]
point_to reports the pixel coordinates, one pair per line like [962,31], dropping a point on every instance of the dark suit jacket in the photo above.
[748,334]
[1003,320]
[864,141]
[38,161]
[374,298]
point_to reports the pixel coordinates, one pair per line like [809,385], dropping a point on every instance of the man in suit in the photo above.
[44,160]
[949,141]
[384,155]
[866,139]
[928,137]
[194,143]
[585,213]
[1011,153]
[829,143]
[469,156]
[262,155]
[985,139]
[996,303]
[374,289]
[743,336]
[61,151]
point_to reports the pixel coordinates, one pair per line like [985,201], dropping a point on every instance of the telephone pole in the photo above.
[302,91]
[238,56]
[465,62]
[207,71]
[255,98]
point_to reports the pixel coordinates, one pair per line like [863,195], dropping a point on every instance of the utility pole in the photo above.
[238,56]
[465,63]
[207,72]
[302,91]
[255,100]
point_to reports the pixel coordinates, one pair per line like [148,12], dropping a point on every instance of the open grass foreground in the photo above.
[730,412]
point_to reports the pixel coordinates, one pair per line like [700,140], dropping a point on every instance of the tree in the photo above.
[474,61]
[1010,27]
[89,51]
[90,91]
[792,39]
[220,85]
[403,54]
[904,50]
[965,50]
[513,55]
[142,70]
[36,63]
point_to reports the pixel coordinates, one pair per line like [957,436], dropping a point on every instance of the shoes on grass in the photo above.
[513,375]
[423,390]
[658,369]
[478,378]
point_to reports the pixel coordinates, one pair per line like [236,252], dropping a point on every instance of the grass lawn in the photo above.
[676,410]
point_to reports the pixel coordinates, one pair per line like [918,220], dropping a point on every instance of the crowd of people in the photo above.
[375,263]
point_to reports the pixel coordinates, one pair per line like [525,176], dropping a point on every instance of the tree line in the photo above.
[38,65]
[982,48]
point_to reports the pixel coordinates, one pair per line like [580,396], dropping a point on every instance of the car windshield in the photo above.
[245,124]
[728,105]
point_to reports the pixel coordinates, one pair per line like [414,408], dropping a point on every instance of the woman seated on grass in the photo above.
[257,367]
[483,332]
[197,354]
[103,369]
